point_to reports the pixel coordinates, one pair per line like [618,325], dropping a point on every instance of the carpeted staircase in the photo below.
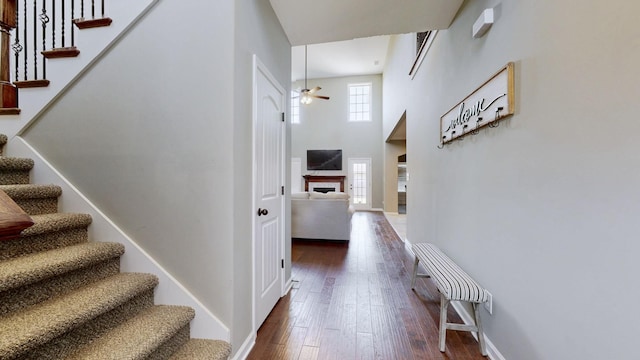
[64,297]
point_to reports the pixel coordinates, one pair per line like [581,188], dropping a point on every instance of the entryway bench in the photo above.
[454,285]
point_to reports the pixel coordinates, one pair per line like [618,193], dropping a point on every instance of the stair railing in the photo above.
[42,29]
[12,218]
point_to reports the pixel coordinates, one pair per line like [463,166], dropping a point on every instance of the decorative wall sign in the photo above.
[491,102]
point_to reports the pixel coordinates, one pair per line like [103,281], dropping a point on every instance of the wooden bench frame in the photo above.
[454,285]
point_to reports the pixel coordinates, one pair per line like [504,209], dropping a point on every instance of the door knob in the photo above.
[262,212]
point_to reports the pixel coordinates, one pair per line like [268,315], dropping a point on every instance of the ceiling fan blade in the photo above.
[317,88]
[320,97]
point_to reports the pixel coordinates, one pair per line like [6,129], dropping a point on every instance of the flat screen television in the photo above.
[324,159]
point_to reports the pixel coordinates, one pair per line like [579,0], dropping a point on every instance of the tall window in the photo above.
[360,102]
[295,107]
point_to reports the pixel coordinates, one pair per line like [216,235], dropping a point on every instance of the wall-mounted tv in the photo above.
[324,159]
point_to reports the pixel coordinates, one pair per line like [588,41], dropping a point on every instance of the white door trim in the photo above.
[258,66]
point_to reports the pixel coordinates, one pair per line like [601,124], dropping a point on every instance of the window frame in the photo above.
[295,104]
[368,102]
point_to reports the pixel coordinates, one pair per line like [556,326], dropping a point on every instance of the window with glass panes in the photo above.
[360,102]
[295,107]
[359,183]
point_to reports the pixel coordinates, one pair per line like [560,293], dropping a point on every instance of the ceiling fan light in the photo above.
[305,99]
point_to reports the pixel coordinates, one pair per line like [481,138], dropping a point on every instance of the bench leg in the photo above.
[444,304]
[415,273]
[483,347]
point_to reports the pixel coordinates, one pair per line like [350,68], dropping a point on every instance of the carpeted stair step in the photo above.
[27,280]
[155,333]
[34,199]
[49,231]
[56,328]
[14,170]
[203,349]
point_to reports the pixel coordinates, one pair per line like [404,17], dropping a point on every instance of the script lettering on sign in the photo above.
[489,103]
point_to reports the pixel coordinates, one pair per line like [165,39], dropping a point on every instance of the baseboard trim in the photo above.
[492,351]
[287,287]
[135,259]
[246,347]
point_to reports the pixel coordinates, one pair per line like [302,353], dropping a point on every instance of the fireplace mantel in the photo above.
[323,179]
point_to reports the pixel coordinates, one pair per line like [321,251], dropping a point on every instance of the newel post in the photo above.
[8,92]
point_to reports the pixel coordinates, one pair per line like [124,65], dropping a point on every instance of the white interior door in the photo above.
[268,239]
[360,183]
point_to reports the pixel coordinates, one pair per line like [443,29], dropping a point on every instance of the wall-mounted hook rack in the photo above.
[493,99]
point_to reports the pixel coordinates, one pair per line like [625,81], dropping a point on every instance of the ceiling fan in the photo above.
[306,94]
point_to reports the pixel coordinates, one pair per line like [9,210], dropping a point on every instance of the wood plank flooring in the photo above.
[353,300]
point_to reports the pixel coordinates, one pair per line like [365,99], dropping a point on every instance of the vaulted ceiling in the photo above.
[349,37]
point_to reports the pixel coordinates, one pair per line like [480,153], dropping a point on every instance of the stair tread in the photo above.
[203,349]
[31,191]
[57,222]
[14,163]
[140,336]
[40,323]
[32,268]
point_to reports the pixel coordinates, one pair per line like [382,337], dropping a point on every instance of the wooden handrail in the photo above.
[12,218]
[8,92]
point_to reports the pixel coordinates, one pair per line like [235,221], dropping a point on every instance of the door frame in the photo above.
[258,66]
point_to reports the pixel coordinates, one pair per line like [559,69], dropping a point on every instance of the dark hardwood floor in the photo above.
[354,301]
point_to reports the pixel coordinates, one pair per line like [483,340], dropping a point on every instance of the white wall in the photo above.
[158,135]
[541,210]
[324,125]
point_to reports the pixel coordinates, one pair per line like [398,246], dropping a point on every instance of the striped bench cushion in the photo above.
[452,281]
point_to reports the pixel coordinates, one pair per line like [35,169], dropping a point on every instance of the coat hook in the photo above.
[476,130]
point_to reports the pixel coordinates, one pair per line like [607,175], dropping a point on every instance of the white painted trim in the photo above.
[62,73]
[135,259]
[287,287]
[492,350]
[423,53]
[246,347]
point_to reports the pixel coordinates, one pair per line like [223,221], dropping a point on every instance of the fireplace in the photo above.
[315,182]
[324,189]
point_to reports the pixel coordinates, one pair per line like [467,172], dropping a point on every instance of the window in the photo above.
[295,107]
[360,102]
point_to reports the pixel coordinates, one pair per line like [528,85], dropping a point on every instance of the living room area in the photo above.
[337,142]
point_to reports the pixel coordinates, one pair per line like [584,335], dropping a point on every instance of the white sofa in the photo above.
[321,216]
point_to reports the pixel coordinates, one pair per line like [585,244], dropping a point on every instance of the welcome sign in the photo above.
[491,102]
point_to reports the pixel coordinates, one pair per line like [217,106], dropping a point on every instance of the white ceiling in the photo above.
[342,58]
[332,26]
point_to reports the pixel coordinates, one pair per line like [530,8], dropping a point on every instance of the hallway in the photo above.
[353,301]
